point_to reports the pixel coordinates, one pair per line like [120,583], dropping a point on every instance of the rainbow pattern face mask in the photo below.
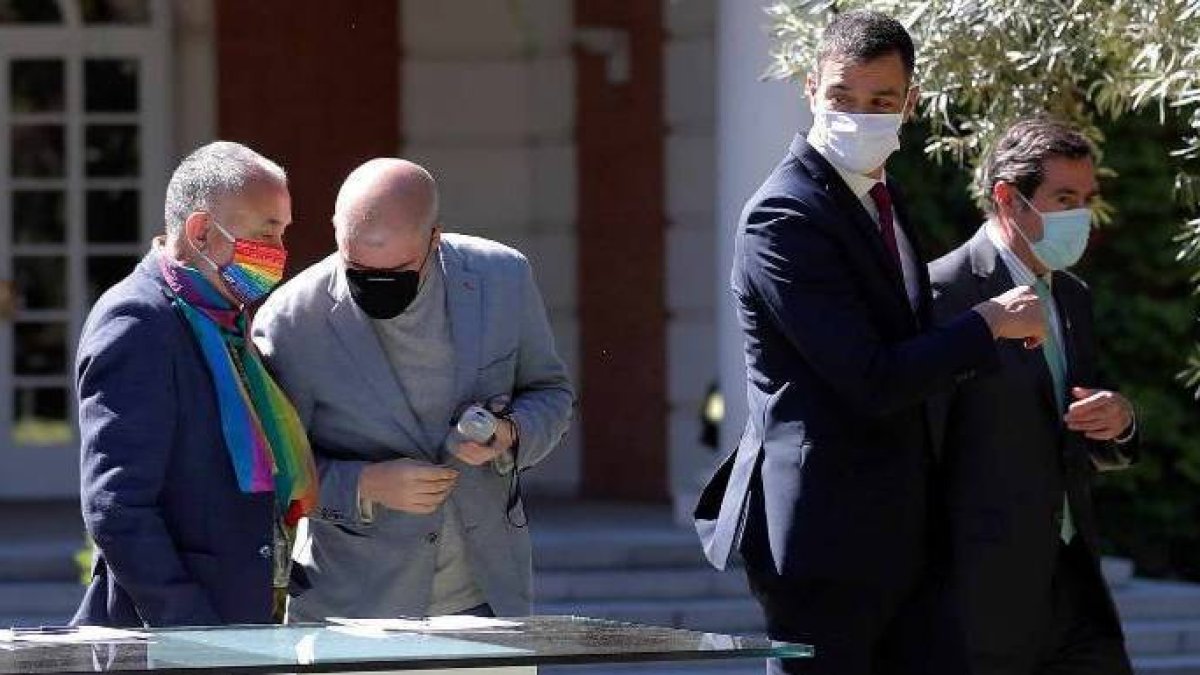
[255,270]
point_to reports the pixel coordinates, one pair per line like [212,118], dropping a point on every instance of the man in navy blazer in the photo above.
[176,541]
[827,496]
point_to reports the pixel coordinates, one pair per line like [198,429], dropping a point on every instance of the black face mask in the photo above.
[383,294]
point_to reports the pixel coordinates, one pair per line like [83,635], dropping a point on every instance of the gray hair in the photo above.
[211,173]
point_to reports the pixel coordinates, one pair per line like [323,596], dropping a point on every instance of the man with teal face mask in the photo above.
[1021,443]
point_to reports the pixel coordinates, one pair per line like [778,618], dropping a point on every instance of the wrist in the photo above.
[991,315]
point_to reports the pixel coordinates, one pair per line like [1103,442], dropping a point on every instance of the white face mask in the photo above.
[856,142]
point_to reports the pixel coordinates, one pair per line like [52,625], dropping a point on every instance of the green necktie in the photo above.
[1056,362]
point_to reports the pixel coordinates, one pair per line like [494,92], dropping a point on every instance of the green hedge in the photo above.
[1145,324]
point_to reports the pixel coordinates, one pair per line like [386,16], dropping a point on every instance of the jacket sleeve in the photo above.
[127,418]
[279,345]
[799,275]
[543,399]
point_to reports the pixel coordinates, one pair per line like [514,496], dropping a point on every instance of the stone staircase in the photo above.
[631,563]
[635,564]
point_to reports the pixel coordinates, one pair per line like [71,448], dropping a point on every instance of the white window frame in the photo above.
[48,471]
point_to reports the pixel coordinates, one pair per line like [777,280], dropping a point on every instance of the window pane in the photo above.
[36,85]
[115,11]
[39,217]
[40,416]
[112,150]
[110,85]
[38,151]
[112,217]
[29,11]
[105,271]
[41,349]
[41,282]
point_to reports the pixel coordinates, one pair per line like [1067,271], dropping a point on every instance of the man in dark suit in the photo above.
[191,458]
[827,496]
[1022,442]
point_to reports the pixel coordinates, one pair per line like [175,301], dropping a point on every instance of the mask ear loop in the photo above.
[1020,230]
[210,261]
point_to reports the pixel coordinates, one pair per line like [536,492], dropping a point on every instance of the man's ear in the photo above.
[911,101]
[196,228]
[810,88]
[1002,195]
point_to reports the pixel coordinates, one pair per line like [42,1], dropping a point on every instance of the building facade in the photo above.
[585,133]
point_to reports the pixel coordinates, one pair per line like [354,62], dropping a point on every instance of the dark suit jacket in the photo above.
[177,542]
[1009,458]
[839,367]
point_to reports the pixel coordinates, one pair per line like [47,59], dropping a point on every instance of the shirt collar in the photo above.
[859,184]
[1017,269]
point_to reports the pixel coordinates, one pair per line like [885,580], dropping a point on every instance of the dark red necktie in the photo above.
[883,202]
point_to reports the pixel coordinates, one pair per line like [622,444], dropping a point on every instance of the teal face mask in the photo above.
[1064,236]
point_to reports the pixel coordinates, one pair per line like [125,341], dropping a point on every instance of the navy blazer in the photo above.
[839,366]
[177,542]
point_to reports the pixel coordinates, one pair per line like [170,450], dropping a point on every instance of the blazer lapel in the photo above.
[995,279]
[464,295]
[824,173]
[354,331]
[924,309]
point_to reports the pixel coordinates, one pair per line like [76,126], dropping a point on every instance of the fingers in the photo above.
[1098,415]
[430,472]
[474,453]
[1097,405]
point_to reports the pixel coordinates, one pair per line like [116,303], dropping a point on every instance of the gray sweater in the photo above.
[419,347]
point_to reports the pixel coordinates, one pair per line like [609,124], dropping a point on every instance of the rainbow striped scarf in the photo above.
[266,441]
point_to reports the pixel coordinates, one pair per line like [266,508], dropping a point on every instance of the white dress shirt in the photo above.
[861,186]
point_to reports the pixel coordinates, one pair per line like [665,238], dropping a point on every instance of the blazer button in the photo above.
[265,551]
[432,537]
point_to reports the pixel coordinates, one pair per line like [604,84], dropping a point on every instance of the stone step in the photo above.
[1167,665]
[1163,600]
[7,621]
[19,599]
[39,560]
[646,584]
[616,549]
[1163,637]
[1117,571]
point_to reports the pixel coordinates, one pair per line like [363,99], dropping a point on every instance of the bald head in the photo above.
[383,200]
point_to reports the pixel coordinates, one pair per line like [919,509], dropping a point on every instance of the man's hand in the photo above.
[1015,315]
[477,454]
[1099,415]
[407,485]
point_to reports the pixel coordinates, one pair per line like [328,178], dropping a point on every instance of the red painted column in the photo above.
[621,248]
[315,86]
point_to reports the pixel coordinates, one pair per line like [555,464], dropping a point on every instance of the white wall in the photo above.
[756,120]
[690,64]
[194,90]
[488,107]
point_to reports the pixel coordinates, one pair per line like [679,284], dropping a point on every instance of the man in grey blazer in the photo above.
[380,346]
[1021,443]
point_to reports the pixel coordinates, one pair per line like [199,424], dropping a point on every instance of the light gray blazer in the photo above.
[327,357]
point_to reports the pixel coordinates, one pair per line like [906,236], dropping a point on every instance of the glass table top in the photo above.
[535,641]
